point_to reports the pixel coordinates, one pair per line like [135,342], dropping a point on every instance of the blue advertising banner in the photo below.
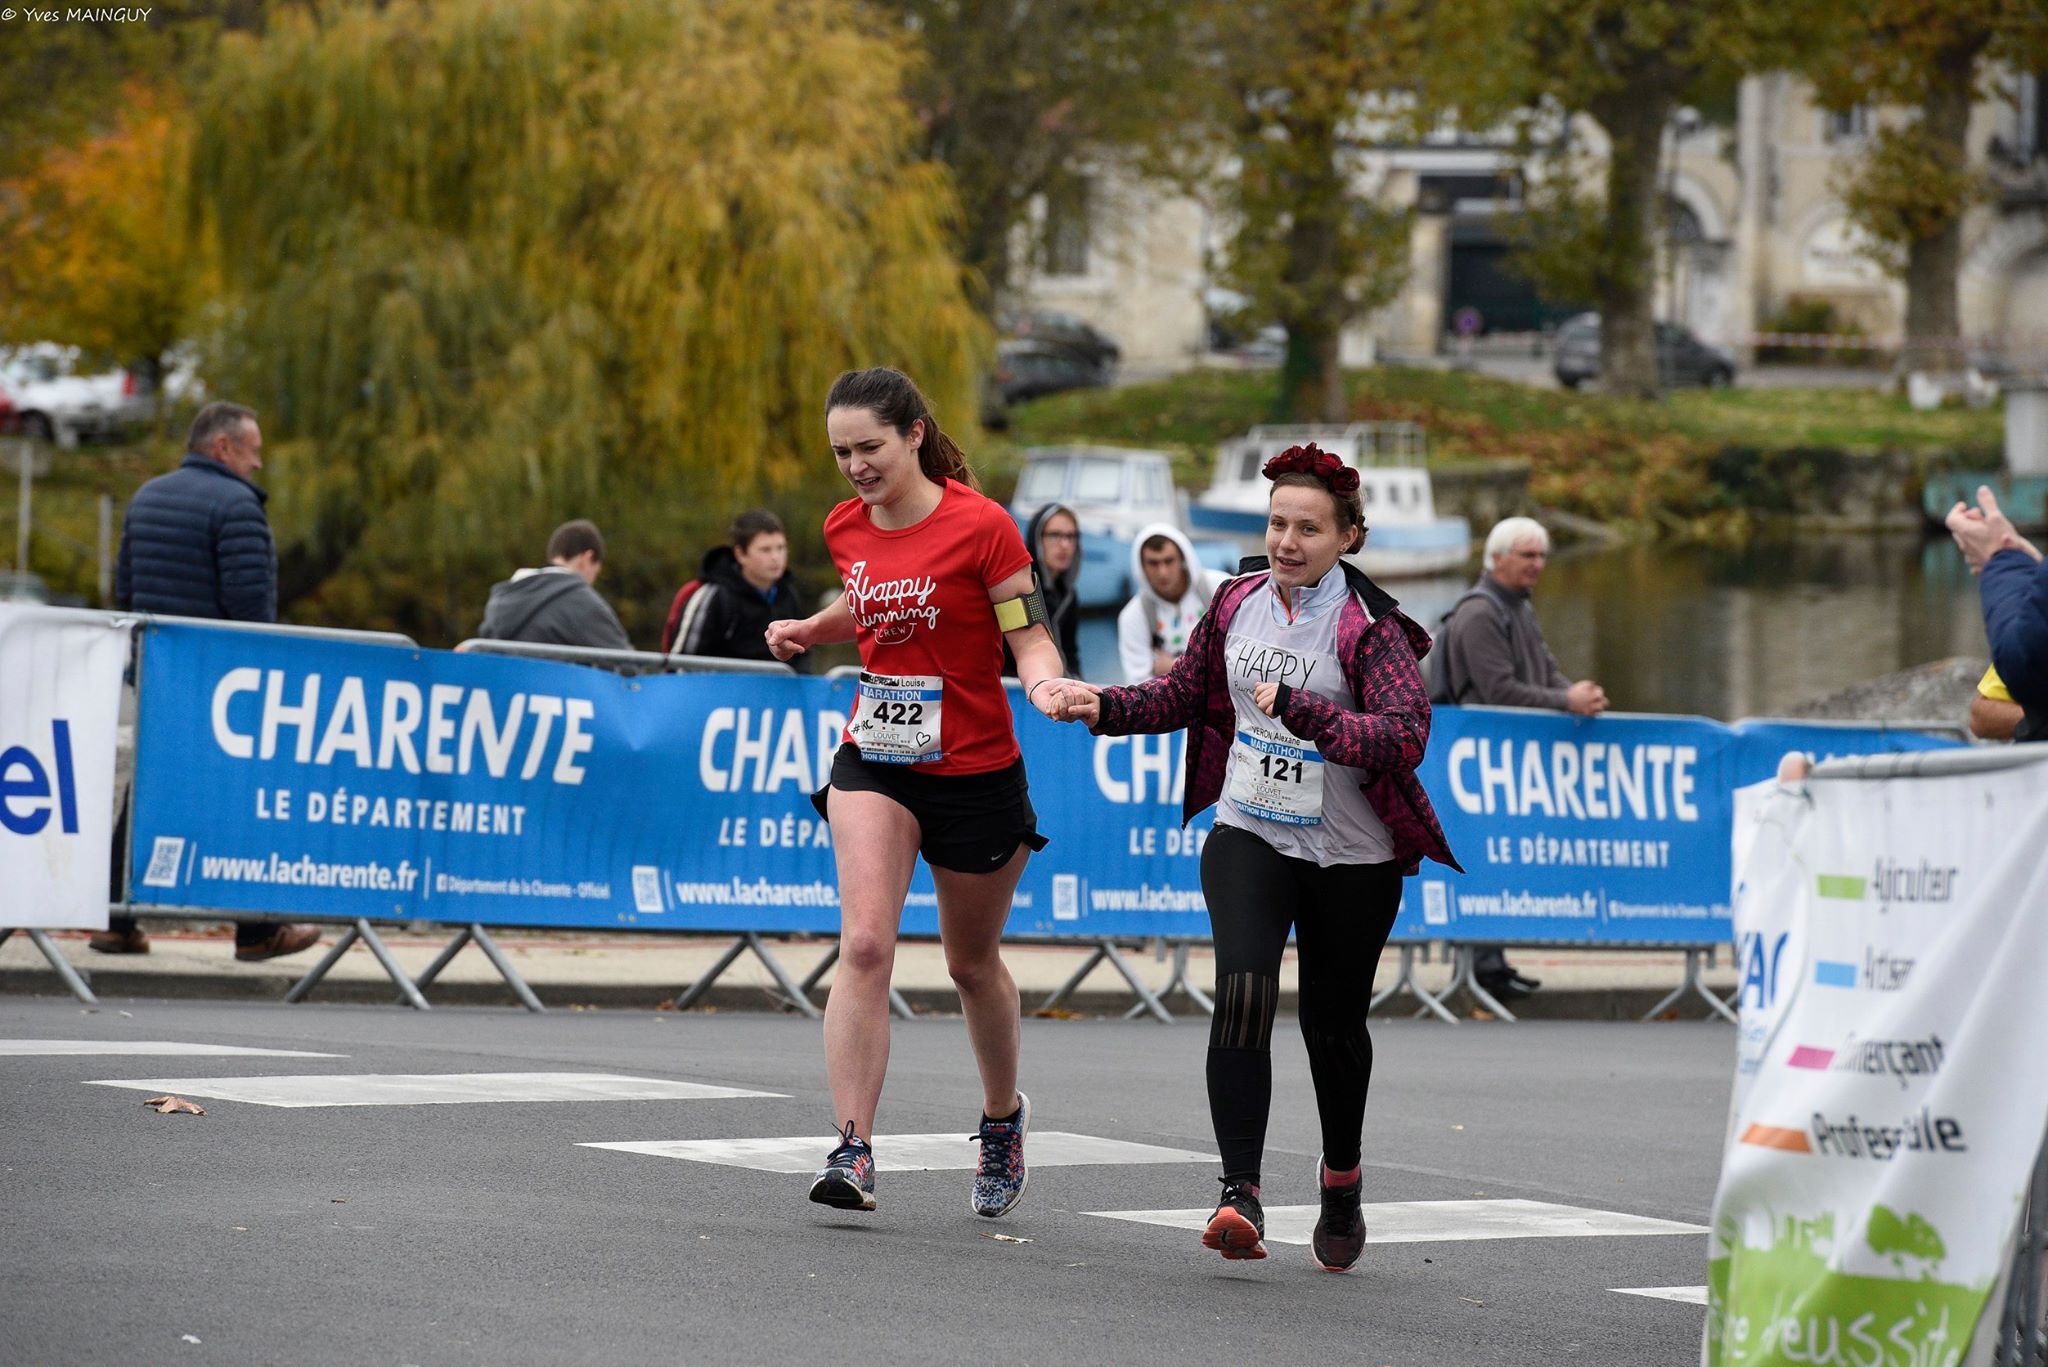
[335,779]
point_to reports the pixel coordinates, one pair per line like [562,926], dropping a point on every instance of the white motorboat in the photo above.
[1404,534]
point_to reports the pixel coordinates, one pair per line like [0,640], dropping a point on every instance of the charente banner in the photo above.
[1888,1103]
[326,778]
[60,695]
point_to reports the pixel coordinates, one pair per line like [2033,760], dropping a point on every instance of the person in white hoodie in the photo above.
[1173,593]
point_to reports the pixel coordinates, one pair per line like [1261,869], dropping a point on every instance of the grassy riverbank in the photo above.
[1684,464]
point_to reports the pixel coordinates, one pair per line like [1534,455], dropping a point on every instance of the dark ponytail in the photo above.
[892,397]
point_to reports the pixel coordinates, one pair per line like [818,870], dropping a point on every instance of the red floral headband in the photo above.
[1313,460]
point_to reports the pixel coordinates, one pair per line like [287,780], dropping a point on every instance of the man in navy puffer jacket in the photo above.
[196,543]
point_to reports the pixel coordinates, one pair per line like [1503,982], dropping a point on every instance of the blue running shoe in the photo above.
[847,1180]
[1000,1174]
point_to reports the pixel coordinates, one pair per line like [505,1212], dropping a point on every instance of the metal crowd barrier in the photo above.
[795,992]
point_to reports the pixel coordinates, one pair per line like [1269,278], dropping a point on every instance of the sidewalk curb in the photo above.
[255,984]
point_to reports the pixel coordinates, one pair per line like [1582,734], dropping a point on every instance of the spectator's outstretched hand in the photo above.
[1983,531]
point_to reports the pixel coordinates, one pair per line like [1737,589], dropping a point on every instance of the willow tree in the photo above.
[503,262]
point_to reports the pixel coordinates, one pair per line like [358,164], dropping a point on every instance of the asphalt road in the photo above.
[487,1233]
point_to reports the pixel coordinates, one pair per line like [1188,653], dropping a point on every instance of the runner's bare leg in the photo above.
[874,843]
[972,910]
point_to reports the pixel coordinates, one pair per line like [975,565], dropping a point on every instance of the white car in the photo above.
[42,395]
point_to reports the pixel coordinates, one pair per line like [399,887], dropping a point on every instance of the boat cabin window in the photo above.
[1248,470]
[1099,481]
[1151,487]
[1043,481]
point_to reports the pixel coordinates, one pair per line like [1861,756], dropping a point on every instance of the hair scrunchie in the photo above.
[1313,460]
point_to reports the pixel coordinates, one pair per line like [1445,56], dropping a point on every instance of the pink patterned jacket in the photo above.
[1386,736]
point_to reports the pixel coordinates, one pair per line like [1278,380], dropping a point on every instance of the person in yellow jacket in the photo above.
[1993,713]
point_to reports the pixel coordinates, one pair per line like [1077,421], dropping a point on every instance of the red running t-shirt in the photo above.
[920,605]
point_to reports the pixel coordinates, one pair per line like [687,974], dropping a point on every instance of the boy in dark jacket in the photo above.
[557,603]
[740,588]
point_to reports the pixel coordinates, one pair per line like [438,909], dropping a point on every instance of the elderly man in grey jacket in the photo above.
[1490,650]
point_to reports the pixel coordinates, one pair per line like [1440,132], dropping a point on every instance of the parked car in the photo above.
[1027,370]
[1067,331]
[1682,358]
[49,400]
[44,395]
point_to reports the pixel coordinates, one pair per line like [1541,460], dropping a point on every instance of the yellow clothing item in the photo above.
[1993,687]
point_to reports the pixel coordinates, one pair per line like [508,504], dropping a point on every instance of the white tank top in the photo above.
[1276,784]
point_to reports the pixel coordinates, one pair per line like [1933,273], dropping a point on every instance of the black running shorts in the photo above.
[970,823]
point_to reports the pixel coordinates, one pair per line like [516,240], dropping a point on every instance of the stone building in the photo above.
[1757,227]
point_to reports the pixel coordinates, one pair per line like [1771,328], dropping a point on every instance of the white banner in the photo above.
[1889,1098]
[60,695]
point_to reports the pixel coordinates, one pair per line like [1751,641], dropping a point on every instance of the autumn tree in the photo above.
[1932,61]
[1286,99]
[96,245]
[1627,66]
[1010,97]
[501,262]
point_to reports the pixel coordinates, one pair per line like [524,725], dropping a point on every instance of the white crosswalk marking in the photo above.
[1420,1222]
[431,1089]
[904,1152]
[1684,1295]
[19,1048]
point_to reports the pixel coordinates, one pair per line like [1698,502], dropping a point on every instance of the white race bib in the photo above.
[896,720]
[1275,776]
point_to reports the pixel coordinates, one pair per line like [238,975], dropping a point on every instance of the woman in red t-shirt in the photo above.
[937,582]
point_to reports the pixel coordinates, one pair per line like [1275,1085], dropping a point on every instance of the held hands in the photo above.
[1983,531]
[1267,697]
[1586,698]
[786,638]
[1067,700]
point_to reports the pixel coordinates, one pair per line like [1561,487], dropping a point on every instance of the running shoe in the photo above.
[1000,1174]
[1238,1228]
[1340,1229]
[848,1178]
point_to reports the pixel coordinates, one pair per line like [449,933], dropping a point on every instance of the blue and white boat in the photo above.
[1113,491]
[1405,536]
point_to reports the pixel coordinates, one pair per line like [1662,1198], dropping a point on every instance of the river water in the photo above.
[1715,632]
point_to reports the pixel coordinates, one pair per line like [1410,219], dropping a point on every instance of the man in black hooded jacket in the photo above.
[740,588]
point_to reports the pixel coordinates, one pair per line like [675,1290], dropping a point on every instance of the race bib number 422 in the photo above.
[897,720]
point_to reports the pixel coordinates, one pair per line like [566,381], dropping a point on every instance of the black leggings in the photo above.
[1341,917]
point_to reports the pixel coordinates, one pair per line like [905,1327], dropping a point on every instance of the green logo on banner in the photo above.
[1842,887]
[1786,1304]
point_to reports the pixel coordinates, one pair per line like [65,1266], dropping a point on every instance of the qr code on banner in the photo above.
[647,889]
[164,862]
[1436,903]
[1066,897]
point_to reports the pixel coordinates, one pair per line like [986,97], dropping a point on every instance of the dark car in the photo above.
[1067,331]
[1027,370]
[1682,358]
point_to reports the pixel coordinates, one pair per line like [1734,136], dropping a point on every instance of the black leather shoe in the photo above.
[1503,985]
[1524,981]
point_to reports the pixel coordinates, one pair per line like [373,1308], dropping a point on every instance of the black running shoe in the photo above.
[848,1178]
[1238,1228]
[1340,1229]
